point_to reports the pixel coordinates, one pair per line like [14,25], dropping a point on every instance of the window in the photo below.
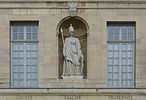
[121,55]
[24,54]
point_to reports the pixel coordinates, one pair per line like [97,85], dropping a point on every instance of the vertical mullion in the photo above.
[127,60]
[24,28]
[120,32]
[133,67]
[31,32]
[31,60]
[120,58]
[24,57]
[112,65]
[120,64]
[12,84]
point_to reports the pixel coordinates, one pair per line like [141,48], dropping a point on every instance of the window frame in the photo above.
[24,42]
[120,42]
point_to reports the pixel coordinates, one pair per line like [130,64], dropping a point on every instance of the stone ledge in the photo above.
[82,92]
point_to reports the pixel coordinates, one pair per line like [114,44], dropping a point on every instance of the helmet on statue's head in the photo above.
[71,29]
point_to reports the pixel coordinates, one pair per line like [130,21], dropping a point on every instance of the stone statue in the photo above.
[73,63]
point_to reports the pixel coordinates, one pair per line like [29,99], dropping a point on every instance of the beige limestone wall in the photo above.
[48,41]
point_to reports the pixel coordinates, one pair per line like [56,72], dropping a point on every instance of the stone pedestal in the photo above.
[66,77]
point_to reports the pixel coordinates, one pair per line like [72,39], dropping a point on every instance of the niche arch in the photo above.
[81,32]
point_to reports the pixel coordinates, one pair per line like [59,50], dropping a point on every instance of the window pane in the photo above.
[34,29]
[110,76]
[15,54]
[116,69]
[34,54]
[21,76]
[124,68]
[124,29]
[15,69]
[15,29]
[130,61]
[116,36]
[130,36]
[116,47]
[28,61]
[21,29]
[130,69]
[21,54]
[116,54]
[21,61]
[110,47]
[34,36]
[21,68]
[110,82]
[21,46]
[110,69]
[28,29]
[115,83]
[124,61]
[110,29]
[130,83]
[15,46]
[116,62]
[116,29]
[124,36]
[110,54]
[124,83]
[129,75]
[29,54]
[130,29]
[130,47]
[35,47]
[15,36]
[28,75]
[124,54]
[21,36]
[110,61]
[110,36]
[115,76]
[29,47]
[124,47]
[28,36]
[124,76]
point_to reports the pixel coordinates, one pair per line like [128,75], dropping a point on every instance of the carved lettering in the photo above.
[72,97]
[120,97]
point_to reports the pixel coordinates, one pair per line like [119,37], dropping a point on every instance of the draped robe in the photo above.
[73,62]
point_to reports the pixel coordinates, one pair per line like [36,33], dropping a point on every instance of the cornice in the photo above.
[79,1]
[82,4]
[78,92]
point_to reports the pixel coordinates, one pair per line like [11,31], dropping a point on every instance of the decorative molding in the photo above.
[113,94]
[71,1]
[72,9]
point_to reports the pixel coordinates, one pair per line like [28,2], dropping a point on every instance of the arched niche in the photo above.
[81,30]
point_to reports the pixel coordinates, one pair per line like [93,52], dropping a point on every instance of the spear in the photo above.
[62,35]
[63,47]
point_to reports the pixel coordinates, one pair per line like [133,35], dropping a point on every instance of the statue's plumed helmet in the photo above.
[71,29]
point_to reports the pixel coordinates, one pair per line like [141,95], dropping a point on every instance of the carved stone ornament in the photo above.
[72,9]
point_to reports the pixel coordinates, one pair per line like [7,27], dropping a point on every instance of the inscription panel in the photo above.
[120,97]
[72,97]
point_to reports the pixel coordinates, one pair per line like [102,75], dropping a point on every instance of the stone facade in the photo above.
[50,14]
